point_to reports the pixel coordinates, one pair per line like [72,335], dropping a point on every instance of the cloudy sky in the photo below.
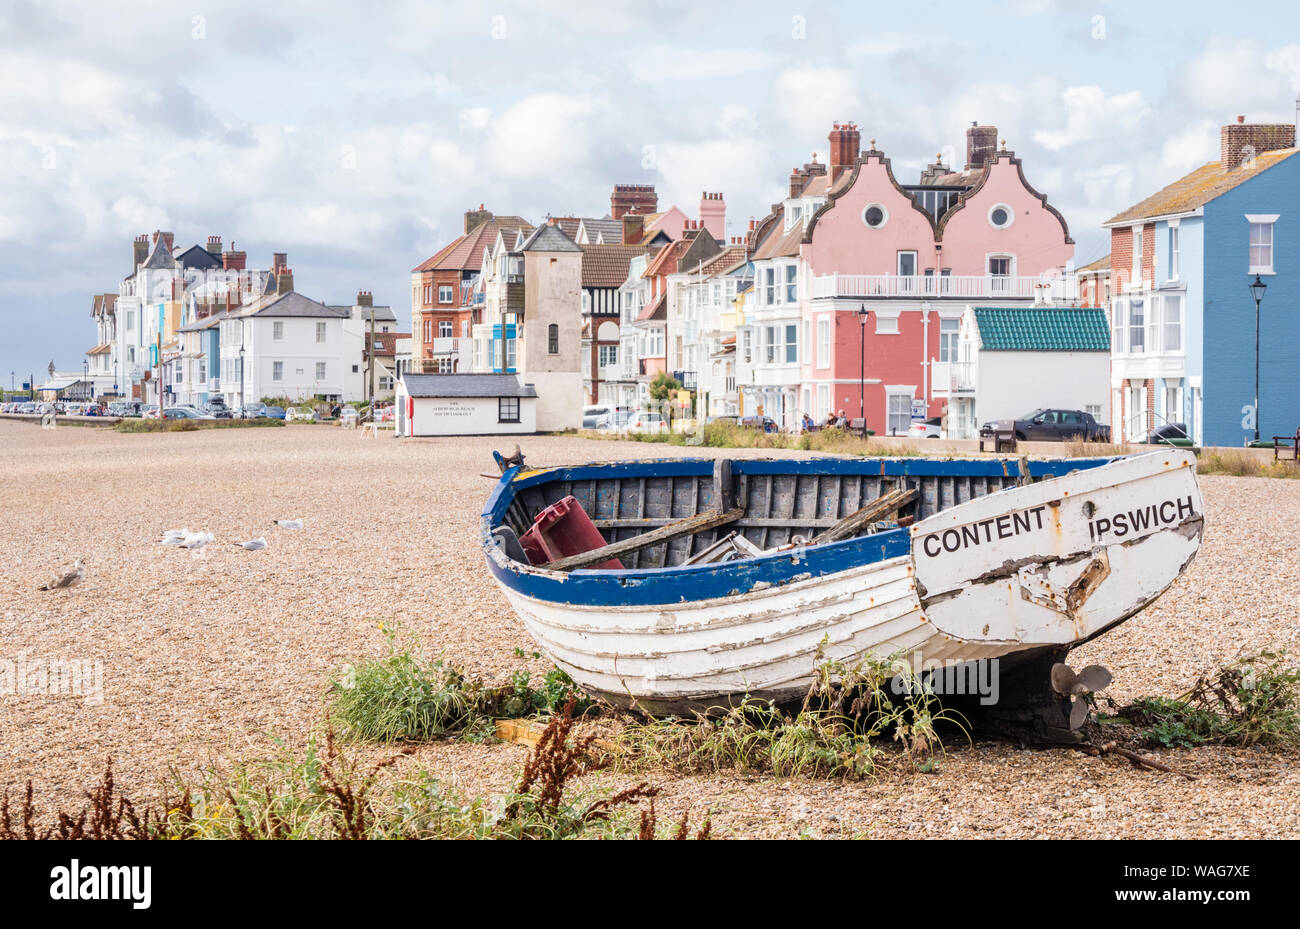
[354,141]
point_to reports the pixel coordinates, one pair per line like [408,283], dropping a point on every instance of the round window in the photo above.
[1001,216]
[875,216]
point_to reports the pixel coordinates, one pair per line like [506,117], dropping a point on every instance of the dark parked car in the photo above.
[1051,426]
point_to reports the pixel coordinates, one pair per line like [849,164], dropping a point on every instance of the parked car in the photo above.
[273,412]
[74,408]
[595,416]
[928,429]
[185,412]
[1169,434]
[149,411]
[617,420]
[301,414]
[1051,426]
[29,407]
[646,422]
[217,409]
[349,416]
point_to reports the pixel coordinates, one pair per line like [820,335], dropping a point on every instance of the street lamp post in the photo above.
[242,413]
[1257,291]
[86,392]
[863,315]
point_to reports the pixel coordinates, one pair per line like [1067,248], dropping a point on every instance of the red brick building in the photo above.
[440,286]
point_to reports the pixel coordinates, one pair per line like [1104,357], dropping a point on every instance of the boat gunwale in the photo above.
[675,584]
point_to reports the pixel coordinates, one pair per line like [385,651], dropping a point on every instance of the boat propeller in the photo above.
[1078,686]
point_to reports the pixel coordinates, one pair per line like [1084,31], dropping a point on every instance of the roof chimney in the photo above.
[140,251]
[713,215]
[1241,141]
[284,281]
[476,218]
[214,246]
[633,228]
[233,260]
[981,146]
[846,142]
[278,261]
[627,198]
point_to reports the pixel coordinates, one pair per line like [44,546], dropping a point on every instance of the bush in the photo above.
[1253,701]
[836,732]
[408,697]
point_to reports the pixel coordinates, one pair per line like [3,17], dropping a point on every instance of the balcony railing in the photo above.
[921,286]
[961,375]
[448,346]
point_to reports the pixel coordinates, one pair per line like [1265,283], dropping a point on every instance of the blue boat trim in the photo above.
[688,583]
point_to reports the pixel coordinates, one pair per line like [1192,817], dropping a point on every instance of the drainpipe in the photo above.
[925,355]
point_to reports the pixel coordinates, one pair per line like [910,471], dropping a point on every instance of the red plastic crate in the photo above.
[564,529]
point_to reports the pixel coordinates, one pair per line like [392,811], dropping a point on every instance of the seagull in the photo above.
[289,523]
[174,536]
[196,540]
[69,578]
[252,545]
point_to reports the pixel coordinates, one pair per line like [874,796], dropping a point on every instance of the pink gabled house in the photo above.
[851,238]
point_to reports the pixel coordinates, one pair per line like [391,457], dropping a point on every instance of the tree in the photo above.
[662,385]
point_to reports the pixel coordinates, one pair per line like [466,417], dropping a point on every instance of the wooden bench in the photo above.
[1287,447]
[1003,440]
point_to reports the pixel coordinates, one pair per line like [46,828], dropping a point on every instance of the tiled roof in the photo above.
[466,385]
[780,244]
[385,343]
[608,230]
[654,311]
[1199,188]
[206,322]
[160,258]
[549,238]
[198,257]
[607,265]
[721,262]
[1101,264]
[1043,329]
[99,349]
[466,252]
[295,304]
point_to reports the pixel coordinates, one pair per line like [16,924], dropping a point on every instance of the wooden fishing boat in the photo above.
[938,561]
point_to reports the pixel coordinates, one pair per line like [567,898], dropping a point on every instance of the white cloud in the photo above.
[808,99]
[1091,114]
[667,63]
[542,136]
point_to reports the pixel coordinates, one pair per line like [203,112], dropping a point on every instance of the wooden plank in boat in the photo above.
[663,534]
[876,509]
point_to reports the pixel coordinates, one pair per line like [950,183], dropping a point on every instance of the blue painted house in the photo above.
[1181,312]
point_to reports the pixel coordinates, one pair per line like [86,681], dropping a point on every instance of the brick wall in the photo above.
[1239,140]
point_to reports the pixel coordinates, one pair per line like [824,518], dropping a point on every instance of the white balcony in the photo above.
[451,347]
[961,377]
[989,286]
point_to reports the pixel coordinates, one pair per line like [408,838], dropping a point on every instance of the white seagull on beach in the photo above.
[196,540]
[174,536]
[71,577]
[252,545]
[289,523]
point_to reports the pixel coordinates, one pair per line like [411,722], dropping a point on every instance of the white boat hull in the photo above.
[1033,590]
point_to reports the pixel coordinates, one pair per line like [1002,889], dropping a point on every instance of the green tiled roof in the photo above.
[1043,329]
